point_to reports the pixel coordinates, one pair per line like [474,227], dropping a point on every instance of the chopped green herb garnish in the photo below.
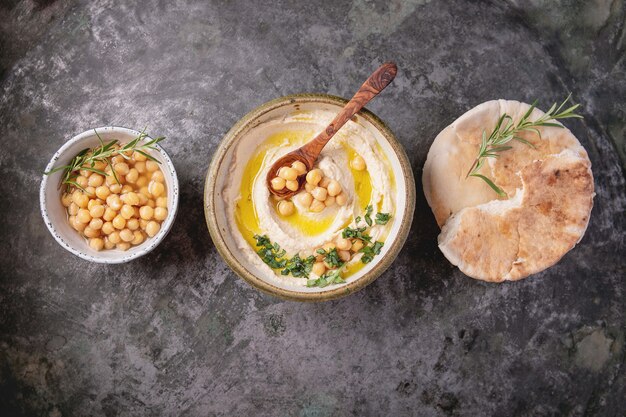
[382,218]
[358,233]
[370,251]
[368,215]
[330,277]
[332,259]
[298,267]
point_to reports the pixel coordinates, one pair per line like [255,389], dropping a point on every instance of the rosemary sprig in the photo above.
[87,158]
[506,131]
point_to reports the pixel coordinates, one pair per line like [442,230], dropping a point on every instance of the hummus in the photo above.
[252,210]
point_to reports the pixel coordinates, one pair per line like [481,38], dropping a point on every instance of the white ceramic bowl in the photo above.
[247,131]
[55,215]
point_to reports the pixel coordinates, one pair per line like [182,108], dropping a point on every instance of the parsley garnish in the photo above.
[368,214]
[332,259]
[298,267]
[382,218]
[330,277]
[370,251]
[358,233]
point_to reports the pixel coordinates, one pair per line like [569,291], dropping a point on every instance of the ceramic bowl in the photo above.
[55,215]
[244,132]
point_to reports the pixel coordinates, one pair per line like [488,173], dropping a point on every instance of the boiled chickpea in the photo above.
[82,181]
[96,224]
[161,202]
[329,246]
[107,228]
[158,176]
[89,232]
[341,199]
[110,178]
[108,244]
[156,188]
[95,180]
[83,216]
[314,176]
[334,188]
[85,173]
[140,167]
[109,214]
[152,166]
[90,191]
[143,200]
[319,193]
[114,237]
[343,244]
[143,223]
[93,202]
[357,245]
[121,168]
[324,182]
[103,192]
[151,203]
[123,246]
[97,211]
[330,201]
[132,176]
[278,183]
[305,199]
[115,188]
[132,224]
[76,224]
[146,212]
[152,228]
[289,174]
[114,202]
[286,208]
[99,165]
[81,200]
[138,238]
[142,181]
[318,268]
[160,213]
[96,244]
[126,235]
[119,222]
[72,210]
[309,187]
[292,185]
[358,163]
[66,200]
[118,159]
[139,157]
[126,189]
[299,167]
[344,255]
[130,198]
[127,211]
[145,191]
[317,206]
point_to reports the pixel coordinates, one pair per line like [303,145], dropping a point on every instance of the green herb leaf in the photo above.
[506,131]
[382,218]
[368,214]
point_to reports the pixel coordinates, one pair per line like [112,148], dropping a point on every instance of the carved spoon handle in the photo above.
[374,84]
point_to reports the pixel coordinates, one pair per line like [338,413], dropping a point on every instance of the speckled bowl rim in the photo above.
[382,264]
[130,254]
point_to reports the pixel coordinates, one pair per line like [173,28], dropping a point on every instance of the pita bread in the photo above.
[550,188]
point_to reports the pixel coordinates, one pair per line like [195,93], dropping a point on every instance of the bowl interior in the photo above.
[55,215]
[251,133]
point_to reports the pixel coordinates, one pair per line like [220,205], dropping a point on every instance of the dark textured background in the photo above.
[177,333]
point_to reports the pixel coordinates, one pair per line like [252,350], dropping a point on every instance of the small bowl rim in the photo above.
[124,256]
[229,140]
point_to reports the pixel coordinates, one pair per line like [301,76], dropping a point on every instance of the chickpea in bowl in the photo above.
[110,194]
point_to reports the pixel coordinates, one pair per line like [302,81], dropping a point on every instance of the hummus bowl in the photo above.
[366,210]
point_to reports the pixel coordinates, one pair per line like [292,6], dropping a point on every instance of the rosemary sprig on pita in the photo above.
[506,131]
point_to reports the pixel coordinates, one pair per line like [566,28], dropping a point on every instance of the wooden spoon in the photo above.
[309,152]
